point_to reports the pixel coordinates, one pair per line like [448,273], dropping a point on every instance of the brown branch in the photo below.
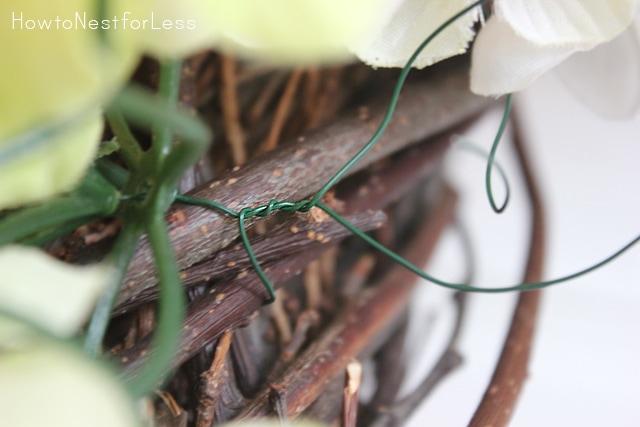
[374,191]
[282,112]
[265,97]
[391,367]
[327,96]
[358,328]
[296,234]
[500,398]
[231,110]
[211,383]
[449,360]
[296,171]
[350,393]
[234,302]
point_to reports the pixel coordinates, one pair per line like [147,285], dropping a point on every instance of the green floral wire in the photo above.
[242,216]
[492,156]
[306,205]
[392,105]
[463,287]
[491,164]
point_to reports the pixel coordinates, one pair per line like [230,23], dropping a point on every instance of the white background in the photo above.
[585,368]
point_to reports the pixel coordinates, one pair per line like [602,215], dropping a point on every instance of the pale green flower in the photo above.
[54,295]
[52,166]
[44,381]
[280,31]
[53,81]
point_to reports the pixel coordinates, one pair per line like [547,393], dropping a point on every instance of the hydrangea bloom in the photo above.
[522,40]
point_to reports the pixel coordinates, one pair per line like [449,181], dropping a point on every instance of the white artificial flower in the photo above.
[45,380]
[409,25]
[522,40]
[607,78]
[526,38]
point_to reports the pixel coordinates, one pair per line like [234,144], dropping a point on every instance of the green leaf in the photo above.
[107,147]
[50,167]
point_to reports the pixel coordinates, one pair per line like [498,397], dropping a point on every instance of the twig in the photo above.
[278,401]
[350,394]
[251,371]
[211,382]
[357,275]
[317,113]
[265,97]
[282,112]
[305,321]
[170,414]
[449,360]
[202,171]
[280,318]
[391,368]
[313,284]
[231,111]
[311,96]
[500,398]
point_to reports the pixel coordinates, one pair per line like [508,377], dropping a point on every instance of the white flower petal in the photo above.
[54,295]
[607,78]
[410,25]
[502,62]
[48,384]
[579,23]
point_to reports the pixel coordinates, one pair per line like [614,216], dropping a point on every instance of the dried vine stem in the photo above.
[242,294]
[231,110]
[295,234]
[358,328]
[211,383]
[296,171]
[234,301]
[449,360]
[375,191]
[500,398]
